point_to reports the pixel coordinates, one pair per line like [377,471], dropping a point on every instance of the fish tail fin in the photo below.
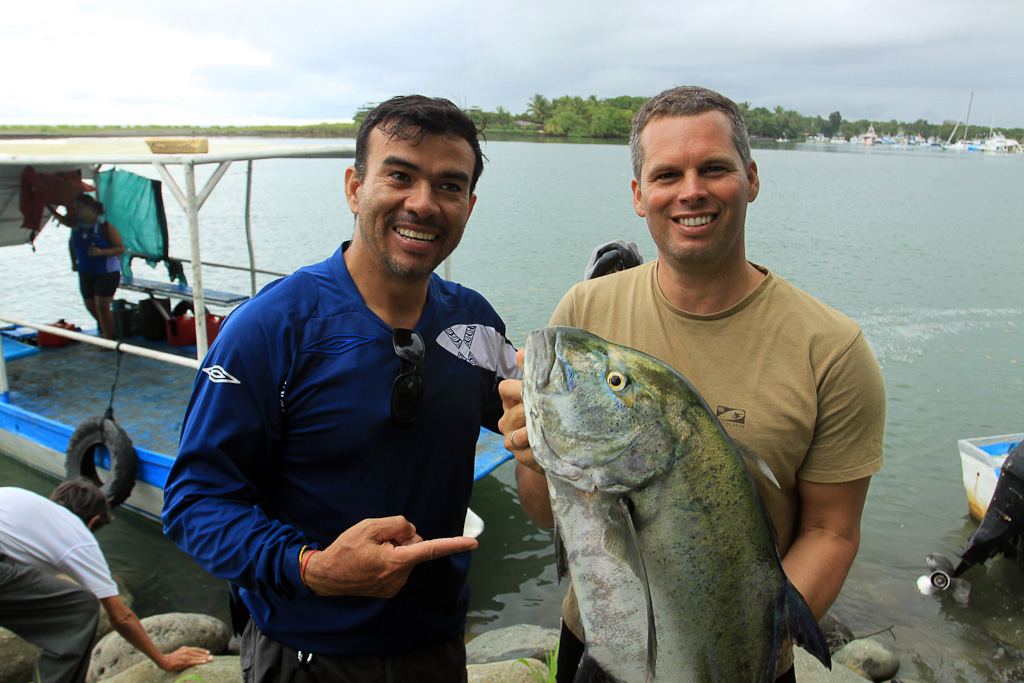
[591,672]
[800,627]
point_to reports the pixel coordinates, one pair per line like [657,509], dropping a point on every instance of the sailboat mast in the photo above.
[968,119]
[959,120]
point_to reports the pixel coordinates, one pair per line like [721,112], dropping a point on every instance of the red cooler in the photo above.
[181,330]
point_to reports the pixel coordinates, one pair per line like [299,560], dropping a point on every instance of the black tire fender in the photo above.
[80,462]
[182,308]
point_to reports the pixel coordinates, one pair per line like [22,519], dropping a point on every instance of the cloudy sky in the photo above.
[234,62]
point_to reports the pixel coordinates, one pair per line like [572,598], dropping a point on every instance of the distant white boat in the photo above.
[997,142]
[868,138]
[959,145]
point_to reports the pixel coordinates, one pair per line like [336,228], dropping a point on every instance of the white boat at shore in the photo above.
[869,138]
[981,460]
[46,391]
[998,143]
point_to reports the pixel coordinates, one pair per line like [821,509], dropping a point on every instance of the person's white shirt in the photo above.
[39,533]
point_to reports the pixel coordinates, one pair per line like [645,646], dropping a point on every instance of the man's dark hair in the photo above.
[687,100]
[84,499]
[410,117]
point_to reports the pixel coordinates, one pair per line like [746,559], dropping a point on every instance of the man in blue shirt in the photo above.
[333,426]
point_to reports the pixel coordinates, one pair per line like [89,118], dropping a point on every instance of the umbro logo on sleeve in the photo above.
[219,375]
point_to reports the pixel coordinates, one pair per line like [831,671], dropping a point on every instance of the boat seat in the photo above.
[172,290]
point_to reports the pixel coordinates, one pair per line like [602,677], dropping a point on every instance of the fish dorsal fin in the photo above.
[620,539]
[561,559]
[755,462]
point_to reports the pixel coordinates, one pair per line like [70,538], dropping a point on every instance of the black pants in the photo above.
[570,652]
[55,615]
[267,661]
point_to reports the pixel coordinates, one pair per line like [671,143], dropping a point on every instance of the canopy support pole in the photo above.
[191,203]
[248,228]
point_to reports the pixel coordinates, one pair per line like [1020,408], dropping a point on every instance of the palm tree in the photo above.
[539,107]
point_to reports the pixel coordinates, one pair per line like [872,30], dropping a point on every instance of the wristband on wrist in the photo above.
[302,570]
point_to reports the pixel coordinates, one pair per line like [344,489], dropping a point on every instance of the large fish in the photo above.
[657,521]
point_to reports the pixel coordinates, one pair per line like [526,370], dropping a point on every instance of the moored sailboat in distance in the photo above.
[963,144]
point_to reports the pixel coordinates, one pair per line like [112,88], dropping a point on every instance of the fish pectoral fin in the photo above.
[755,462]
[561,558]
[799,626]
[621,540]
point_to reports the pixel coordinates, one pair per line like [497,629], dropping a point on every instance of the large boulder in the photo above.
[515,671]
[869,658]
[511,643]
[810,670]
[168,632]
[220,670]
[17,658]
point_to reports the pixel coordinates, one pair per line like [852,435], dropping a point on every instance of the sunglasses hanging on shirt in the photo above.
[407,390]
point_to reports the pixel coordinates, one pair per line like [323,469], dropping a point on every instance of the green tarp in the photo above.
[135,206]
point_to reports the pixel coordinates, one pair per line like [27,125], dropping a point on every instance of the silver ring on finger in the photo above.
[512,440]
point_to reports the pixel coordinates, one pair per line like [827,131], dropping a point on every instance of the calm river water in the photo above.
[923,248]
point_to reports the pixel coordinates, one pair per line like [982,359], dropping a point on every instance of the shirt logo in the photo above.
[337,343]
[218,375]
[734,416]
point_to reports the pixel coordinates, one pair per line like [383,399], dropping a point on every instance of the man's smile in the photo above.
[415,235]
[694,221]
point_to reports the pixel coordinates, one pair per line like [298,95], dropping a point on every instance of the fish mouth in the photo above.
[546,357]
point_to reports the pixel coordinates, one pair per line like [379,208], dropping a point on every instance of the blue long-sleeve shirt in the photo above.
[287,441]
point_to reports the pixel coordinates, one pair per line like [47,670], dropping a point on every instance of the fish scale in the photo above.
[686,585]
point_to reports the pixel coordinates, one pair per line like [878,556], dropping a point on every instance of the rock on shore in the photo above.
[168,632]
[508,655]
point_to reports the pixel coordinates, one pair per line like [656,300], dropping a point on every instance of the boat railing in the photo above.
[132,349]
[245,269]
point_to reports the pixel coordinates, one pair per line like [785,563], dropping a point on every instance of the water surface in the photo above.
[923,248]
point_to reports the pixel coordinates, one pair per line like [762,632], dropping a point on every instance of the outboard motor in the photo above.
[1002,529]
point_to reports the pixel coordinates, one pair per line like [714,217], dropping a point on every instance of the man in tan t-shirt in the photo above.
[787,375]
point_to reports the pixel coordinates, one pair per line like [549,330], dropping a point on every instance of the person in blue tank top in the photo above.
[326,456]
[96,246]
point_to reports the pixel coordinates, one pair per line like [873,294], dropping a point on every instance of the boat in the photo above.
[868,138]
[981,460]
[963,144]
[999,143]
[54,383]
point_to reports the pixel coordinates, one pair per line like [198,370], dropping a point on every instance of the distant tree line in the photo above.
[569,116]
[574,116]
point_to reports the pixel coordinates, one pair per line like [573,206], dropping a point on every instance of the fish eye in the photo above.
[617,381]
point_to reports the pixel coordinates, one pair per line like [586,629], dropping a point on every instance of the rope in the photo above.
[109,414]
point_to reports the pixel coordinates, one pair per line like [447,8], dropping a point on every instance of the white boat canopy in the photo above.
[89,154]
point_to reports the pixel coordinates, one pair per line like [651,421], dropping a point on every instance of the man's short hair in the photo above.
[410,117]
[85,500]
[687,100]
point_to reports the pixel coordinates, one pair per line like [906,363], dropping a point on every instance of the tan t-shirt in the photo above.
[790,377]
